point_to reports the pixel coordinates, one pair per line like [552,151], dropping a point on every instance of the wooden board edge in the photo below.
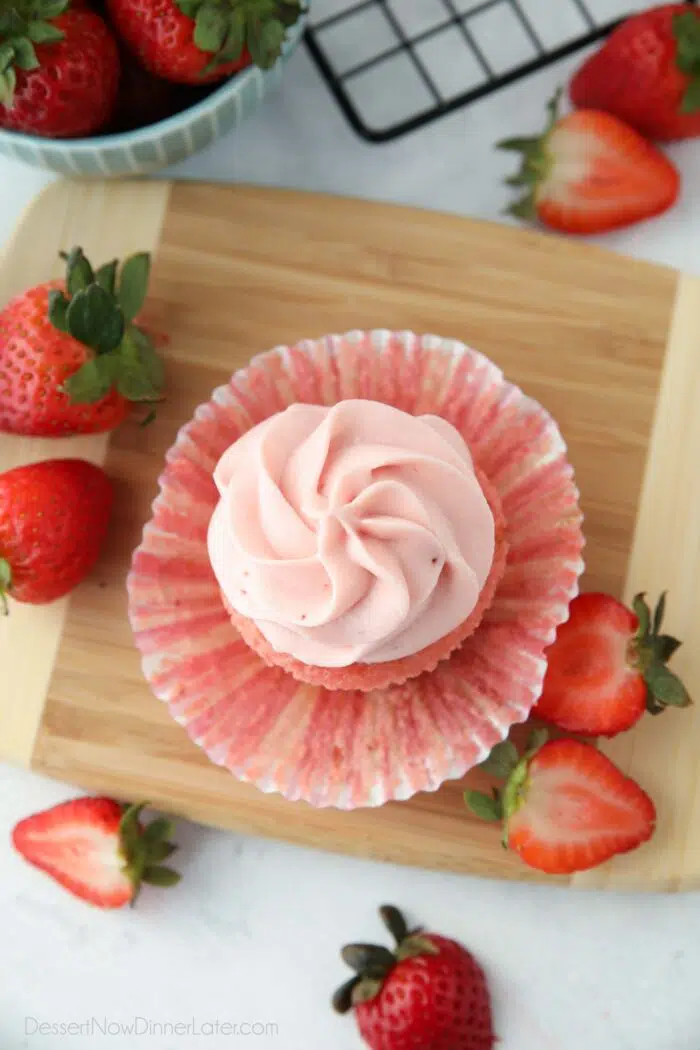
[666,556]
[93,214]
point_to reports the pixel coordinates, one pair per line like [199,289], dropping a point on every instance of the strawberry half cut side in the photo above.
[565,807]
[98,849]
[608,665]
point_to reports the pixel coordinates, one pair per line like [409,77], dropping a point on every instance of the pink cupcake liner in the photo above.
[347,748]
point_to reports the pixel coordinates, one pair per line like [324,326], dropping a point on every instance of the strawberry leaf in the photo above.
[394,922]
[665,646]
[686,30]
[5,585]
[24,53]
[288,12]
[47,9]
[414,945]
[369,960]
[134,383]
[5,575]
[641,611]
[58,310]
[659,613]
[366,989]
[157,831]
[157,875]
[93,380]
[484,806]
[79,272]
[530,146]
[44,33]
[524,208]
[161,851]
[235,38]
[666,687]
[7,53]
[342,997]
[210,28]
[502,760]
[130,830]
[265,43]
[189,7]
[95,320]
[11,23]
[8,83]
[691,99]
[106,276]
[133,284]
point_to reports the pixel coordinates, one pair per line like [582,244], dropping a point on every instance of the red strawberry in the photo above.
[565,806]
[607,667]
[71,363]
[53,520]
[589,173]
[430,994]
[195,41]
[59,70]
[97,849]
[648,73]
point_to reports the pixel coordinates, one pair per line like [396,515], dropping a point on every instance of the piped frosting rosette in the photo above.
[289,547]
[354,544]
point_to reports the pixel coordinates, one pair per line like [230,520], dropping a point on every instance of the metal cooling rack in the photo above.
[395,65]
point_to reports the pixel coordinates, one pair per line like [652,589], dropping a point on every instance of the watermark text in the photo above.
[146,1026]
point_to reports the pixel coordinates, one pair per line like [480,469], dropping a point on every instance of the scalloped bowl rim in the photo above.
[228,89]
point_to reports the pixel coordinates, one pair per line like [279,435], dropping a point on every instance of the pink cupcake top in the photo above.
[351,534]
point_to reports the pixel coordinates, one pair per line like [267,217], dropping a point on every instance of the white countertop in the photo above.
[251,936]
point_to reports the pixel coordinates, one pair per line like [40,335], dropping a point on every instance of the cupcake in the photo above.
[355,545]
[285,598]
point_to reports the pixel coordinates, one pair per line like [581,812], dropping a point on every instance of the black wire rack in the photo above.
[396,65]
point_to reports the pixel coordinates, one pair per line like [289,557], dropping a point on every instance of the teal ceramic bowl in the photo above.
[158,145]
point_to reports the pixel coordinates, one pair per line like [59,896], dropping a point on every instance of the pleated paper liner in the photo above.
[346,748]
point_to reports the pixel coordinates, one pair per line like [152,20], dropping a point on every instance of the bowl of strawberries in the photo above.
[125,87]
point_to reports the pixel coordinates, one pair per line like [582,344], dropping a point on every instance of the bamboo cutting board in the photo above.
[610,346]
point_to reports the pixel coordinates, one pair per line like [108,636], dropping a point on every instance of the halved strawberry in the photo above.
[608,665]
[565,806]
[589,173]
[97,849]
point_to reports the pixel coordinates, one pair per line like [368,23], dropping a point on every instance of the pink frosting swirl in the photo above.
[351,534]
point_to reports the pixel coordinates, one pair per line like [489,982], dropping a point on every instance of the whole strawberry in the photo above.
[59,69]
[648,73]
[608,665]
[590,173]
[98,849]
[53,521]
[72,358]
[195,41]
[565,807]
[428,994]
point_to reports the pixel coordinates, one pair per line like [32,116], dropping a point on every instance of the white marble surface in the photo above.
[252,934]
